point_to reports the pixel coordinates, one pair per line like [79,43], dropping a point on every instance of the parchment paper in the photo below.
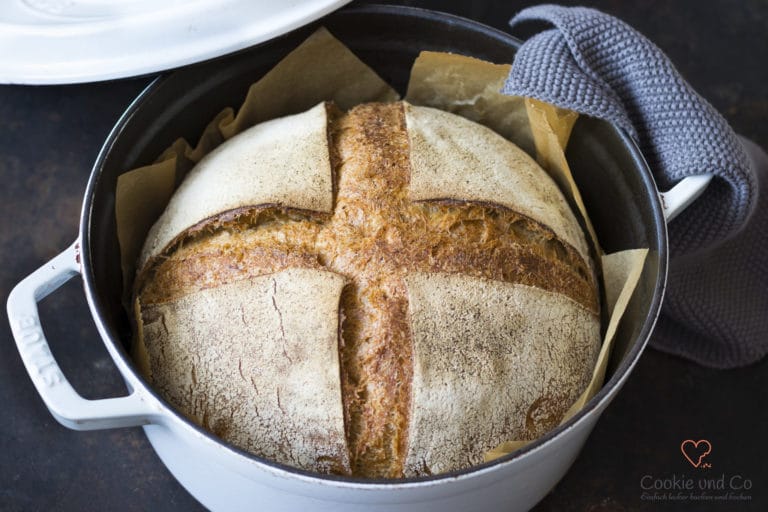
[463,85]
[470,88]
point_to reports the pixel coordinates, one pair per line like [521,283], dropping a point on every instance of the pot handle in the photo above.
[66,405]
[677,199]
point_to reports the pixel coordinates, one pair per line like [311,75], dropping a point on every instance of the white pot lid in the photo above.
[74,41]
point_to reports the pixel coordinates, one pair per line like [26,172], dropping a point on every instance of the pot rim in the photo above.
[166,412]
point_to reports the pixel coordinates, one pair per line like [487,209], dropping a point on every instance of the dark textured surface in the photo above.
[48,140]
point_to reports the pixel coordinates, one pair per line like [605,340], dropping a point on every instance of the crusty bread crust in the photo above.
[246,173]
[235,359]
[493,362]
[376,236]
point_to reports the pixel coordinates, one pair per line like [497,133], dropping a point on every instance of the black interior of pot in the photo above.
[616,185]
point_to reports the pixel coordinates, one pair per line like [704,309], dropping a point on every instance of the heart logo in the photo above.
[695,450]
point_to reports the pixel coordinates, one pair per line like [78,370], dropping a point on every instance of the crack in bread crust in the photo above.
[375,237]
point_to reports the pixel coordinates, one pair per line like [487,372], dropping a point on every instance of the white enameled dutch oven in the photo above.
[623,202]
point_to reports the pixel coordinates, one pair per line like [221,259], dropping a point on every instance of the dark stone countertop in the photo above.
[49,138]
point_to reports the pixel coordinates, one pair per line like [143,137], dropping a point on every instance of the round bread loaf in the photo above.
[386,292]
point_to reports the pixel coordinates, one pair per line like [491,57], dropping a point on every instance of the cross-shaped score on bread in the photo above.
[448,268]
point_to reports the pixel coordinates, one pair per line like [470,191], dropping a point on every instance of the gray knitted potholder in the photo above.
[716,306]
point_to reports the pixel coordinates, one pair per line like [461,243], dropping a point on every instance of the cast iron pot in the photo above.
[617,186]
